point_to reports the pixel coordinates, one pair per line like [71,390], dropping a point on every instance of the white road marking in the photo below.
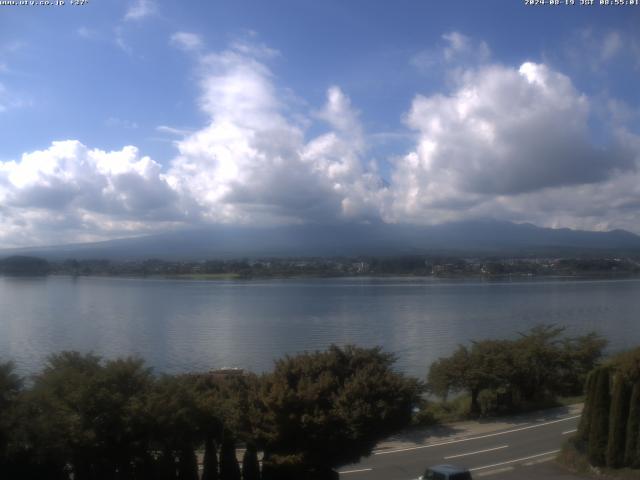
[356,471]
[540,460]
[474,453]
[553,452]
[570,431]
[494,472]
[537,425]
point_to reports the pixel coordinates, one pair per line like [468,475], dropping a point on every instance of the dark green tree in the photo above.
[229,468]
[210,461]
[581,355]
[488,364]
[10,387]
[172,416]
[187,464]
[599,423]
[539,365]
[618,417]
[631,457]
[250,465]
[327,409]
[585,419]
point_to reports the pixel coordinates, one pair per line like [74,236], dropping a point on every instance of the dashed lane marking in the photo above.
[540,460]
[356,471]
[553,452]
[475,453]
[570,431]
[494,472]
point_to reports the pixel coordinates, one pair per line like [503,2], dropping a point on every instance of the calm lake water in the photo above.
[182,325]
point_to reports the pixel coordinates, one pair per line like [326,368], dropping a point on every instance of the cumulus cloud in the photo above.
[252,163]
[76,189]
[502,137]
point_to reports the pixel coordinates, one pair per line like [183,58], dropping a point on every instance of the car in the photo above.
[446,472]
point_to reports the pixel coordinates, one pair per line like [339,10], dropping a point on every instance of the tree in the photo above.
[487,365]
[447,374]
[599,423]
[172,415]
[187,464]
[10,387]
[85,413]
[631,457]
[229,468]
[585,419]
[330,408]
[22,266]
[210,461]
[541,364]
[618,422]
[250,465]
[581,355]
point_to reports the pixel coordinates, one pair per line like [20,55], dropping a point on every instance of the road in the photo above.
[520,451]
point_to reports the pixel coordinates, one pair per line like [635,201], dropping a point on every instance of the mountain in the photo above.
[487,237]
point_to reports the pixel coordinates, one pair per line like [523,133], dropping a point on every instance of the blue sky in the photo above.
[404,111]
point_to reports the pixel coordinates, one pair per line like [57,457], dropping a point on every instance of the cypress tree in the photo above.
[210,462]
[187,464]
[618,422]
[599,422]
[229,468]
[250,465]
[633,429]
[166,466]
[267,472]
[585,419]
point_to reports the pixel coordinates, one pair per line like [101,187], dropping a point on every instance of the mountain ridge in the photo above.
[488,237]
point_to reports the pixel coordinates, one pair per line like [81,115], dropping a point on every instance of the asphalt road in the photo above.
[524,451]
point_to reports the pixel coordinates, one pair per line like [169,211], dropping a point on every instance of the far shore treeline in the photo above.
[86,418]
[416,265]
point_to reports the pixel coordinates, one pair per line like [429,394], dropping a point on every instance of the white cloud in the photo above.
[252,163]
[172,130]
[459,45]
[140,9]
[502,133]
[186,41]
[69,188]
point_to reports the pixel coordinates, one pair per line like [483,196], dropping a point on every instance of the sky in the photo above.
[123,118]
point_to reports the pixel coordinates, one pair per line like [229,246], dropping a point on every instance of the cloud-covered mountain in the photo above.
[475,237]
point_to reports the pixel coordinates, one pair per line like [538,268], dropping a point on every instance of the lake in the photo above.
[184,325]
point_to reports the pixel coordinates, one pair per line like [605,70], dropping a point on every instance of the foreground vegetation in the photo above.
[609,430]
[85,418]
[532,371]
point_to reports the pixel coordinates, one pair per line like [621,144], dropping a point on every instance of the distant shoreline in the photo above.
[236,276]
